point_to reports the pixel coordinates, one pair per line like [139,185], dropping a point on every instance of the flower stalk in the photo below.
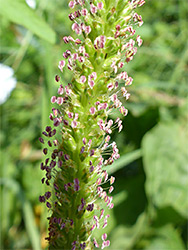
[78,144]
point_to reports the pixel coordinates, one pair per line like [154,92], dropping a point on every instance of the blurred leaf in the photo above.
[123,161]
[124,238]
[165,163]
[7,193]
[18,12]
[167,238]
[30,183]
[166,215]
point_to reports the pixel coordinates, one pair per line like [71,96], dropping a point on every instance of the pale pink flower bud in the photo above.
[117,34]
[96,218]
[105,244]
[95,243]
[65,39]
[105,174]
[92,110]
[89,143]
[71,38]
[60,90]
[102,106]
[93,8]
[111,189]
[87,29]
[99,42]
[139,40]
[75,56]
[123,111]
[67,90]
[100,6]
[91,84]
[71,4]
[78,41]
[118,27]
[69,67]
[111,205]
[129,81]
[110,123]
[93,227]
[61,65]
[120,128]
[107,139]
[98,182]
[84,12]
[81,50]
[86,55]
[112,179]
[56,122]
[141,2]
[71,16]
[94,74]
[81,59]
[74,124]
[53,99]
[110,86]
[120,65]
[82,26]
[76,28]
[101,214]
[84,140]
[70,115]
[82,79]
[104,236]
[123,75]
[60,100]
[127,96]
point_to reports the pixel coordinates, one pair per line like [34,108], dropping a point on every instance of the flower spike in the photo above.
[76,143]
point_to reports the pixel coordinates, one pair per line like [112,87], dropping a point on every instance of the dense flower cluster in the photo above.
[77,145]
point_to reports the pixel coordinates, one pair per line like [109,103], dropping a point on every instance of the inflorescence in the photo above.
[77,145]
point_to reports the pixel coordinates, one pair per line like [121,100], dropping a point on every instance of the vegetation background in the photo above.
[151,189]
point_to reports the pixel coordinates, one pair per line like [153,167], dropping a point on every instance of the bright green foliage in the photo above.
[27,17]
[166,170]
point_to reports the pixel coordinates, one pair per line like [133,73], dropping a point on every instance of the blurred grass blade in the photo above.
[18,12]
[27,211]
[123,161]
[30,225]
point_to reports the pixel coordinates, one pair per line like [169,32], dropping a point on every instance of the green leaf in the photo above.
[165,164]
[18,12]
[167,238]
[125,237]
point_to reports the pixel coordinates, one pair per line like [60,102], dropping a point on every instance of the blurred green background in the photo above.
[151,188]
